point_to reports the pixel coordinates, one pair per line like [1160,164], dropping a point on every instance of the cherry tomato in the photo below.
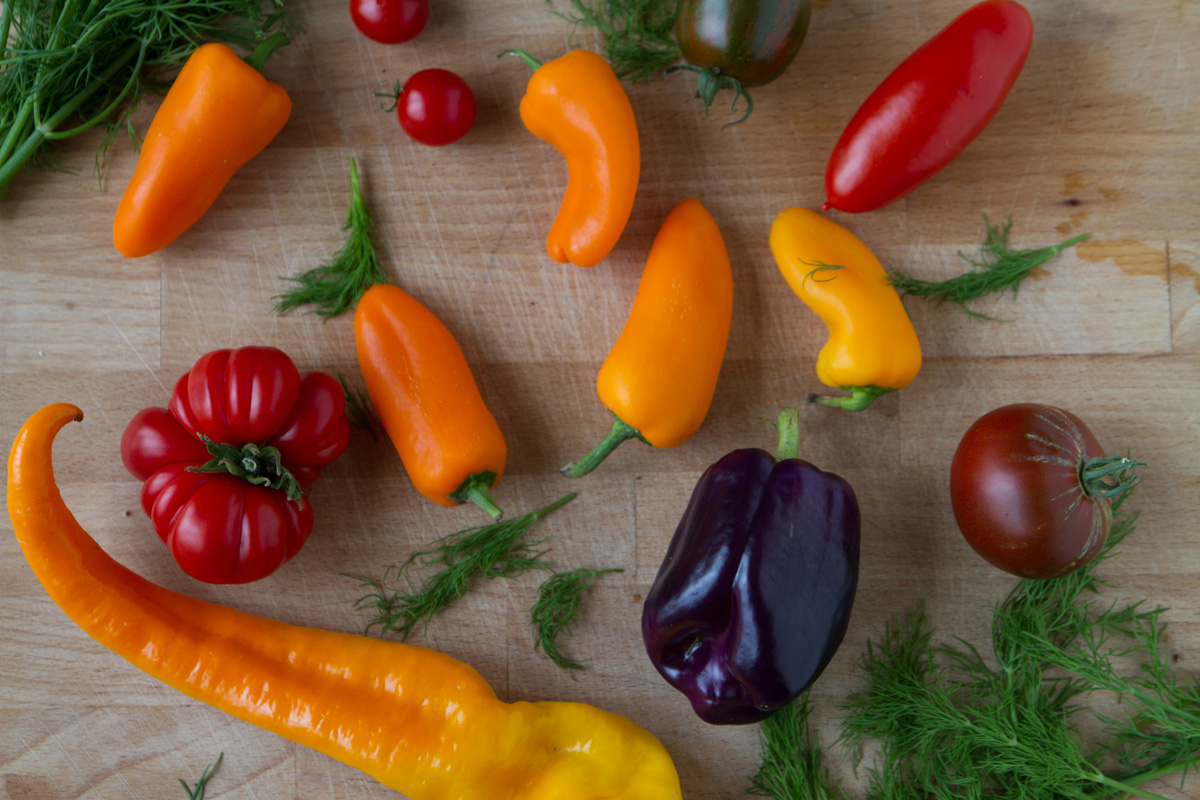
[1031,490]
[221,528]
[389,21]
[436,107]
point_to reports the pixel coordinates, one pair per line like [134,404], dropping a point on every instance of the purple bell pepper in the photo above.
[754,595]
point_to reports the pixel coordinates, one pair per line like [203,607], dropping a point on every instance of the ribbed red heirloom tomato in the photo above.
[1032,490]
[271,429]
[389,21]
[436,107]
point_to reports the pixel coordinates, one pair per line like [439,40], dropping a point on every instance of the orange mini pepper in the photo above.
[422,387]
[219,113]
[414,719]
[872,347]
[660,376]
[577,104]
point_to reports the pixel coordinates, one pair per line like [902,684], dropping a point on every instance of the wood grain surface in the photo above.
[1099,135]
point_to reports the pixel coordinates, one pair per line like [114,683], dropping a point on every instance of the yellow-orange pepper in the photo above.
[872,347]
[660,376]
[577,104]
[414,719]
[219,113]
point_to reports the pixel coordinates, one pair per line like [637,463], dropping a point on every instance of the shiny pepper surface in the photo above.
[219,113]
[414,719]
[754,595]
[872,347]
[577,104]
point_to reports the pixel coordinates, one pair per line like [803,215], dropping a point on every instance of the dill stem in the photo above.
[15,131]
[1128,789]
[5,26]
[1161,772]
[11,163]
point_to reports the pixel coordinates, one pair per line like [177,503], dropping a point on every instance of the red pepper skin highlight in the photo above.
[930,108]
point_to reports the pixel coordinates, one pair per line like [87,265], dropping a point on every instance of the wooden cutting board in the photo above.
[1099,135]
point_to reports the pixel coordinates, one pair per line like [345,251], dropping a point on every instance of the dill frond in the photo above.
[197,792]
[997,269]
[68,66]
[790,760]
[499,550]
[637,35]
[555,608]
[336,285]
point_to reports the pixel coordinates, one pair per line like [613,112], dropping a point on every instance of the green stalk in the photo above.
[620,433]
[1128,789]
[6,18]
[529,60]
[258,57]
[860,397]
[789,435]
[475,489]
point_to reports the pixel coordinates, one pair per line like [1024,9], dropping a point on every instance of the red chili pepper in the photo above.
[930,108]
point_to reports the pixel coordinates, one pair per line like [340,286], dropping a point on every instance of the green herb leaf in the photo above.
[336,285]
[68,66]
[197,792]
[998,268]
[491,551]
[555,609]
[359,411]
[790,761]
[637,35]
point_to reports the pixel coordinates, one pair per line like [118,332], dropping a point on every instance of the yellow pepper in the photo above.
[414,719]
[872,347]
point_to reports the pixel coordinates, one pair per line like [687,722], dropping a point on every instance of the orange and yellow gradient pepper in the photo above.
[872,347]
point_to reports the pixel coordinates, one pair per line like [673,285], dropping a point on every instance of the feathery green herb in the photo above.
[998,268]
[950,722]
[499,550]
[197,792]
[359,411]
[336,286]
[636,34]
[555,609]
[67,66]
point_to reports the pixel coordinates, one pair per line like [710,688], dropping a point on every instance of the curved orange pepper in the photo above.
[577,104]
[872,347]
[660,376]
[414,719]
[219,113]
[422,387]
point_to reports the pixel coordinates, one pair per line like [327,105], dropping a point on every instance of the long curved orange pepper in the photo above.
[577,104]
[414,719]
[422,387]
[219,113]
[660,376]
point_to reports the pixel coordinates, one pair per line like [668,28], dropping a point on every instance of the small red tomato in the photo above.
[436,107]
[389,21]
[1031,490]
[274,428]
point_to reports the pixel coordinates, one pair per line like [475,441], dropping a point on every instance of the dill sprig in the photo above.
[336,285]
[950,722]
[637,35]
[67,66]
[998,268]
[498,550]
[555,608]
[790,761]
[359,411]
[197,792]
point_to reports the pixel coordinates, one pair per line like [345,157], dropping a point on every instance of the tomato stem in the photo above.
[262,466]
[620,432]
[475,489]
[1109,477]
[711,81]
[860,397]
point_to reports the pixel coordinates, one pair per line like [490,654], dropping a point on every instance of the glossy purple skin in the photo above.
[754,595]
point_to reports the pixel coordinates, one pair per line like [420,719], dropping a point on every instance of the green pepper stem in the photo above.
[475,489]
[860,397]
[789,435]
[620,432]
[529,60]
[266,48]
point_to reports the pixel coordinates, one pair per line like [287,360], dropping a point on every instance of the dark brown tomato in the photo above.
[1018,494]
[753,41]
